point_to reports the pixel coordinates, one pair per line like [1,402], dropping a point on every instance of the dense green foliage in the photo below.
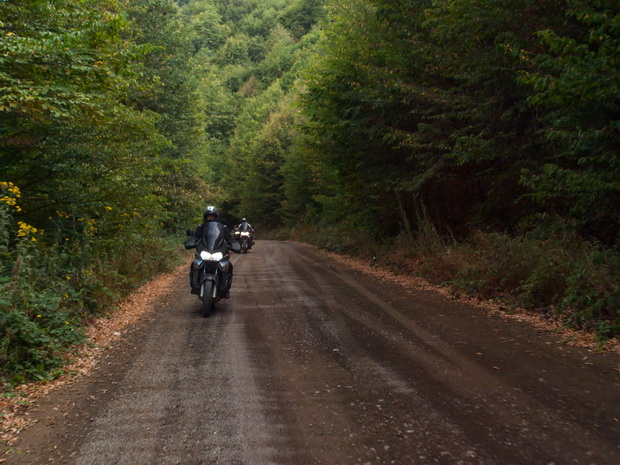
[248,55]
[100,150]
[480,138]
[484,113]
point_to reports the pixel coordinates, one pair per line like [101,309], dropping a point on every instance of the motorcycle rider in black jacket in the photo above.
[211,214]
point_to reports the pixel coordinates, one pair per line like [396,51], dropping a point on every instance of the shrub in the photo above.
[52,284]
[592,297]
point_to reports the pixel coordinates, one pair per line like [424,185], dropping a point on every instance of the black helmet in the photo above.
[210,210]
[243,219]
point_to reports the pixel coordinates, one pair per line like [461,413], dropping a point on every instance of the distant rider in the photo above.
[245,226]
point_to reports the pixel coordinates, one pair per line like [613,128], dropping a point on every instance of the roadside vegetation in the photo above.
[565,280]
[474,143]
[100,166]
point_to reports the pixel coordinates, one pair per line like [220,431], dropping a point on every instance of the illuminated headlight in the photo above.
[216,257]
[245,233]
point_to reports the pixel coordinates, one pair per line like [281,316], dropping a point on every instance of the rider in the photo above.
[245,226]
[211,214]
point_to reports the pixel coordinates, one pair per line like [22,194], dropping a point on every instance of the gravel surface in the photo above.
[313,361]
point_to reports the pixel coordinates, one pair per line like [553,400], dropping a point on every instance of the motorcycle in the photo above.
[244,238]
[210,275]
[244,241]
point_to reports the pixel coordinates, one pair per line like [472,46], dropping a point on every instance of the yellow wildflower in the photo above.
[24,229]
[9,193]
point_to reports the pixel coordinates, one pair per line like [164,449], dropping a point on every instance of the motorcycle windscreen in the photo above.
[244,226]
[213,238]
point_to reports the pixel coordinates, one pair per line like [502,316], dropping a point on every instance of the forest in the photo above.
[474,143]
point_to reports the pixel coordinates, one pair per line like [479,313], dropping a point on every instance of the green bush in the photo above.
[35,337]
[49,291]
[592,297]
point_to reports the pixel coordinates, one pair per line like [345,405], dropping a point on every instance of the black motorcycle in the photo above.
[244,241]
[210,275]
[244,238]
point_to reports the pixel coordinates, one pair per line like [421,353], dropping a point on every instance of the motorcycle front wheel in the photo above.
[208,301]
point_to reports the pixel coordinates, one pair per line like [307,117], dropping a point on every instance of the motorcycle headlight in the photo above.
[245,233]
[211,257]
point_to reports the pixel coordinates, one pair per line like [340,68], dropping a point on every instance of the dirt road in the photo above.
[312,363]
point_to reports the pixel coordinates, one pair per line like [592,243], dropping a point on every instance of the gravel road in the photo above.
[310,362]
